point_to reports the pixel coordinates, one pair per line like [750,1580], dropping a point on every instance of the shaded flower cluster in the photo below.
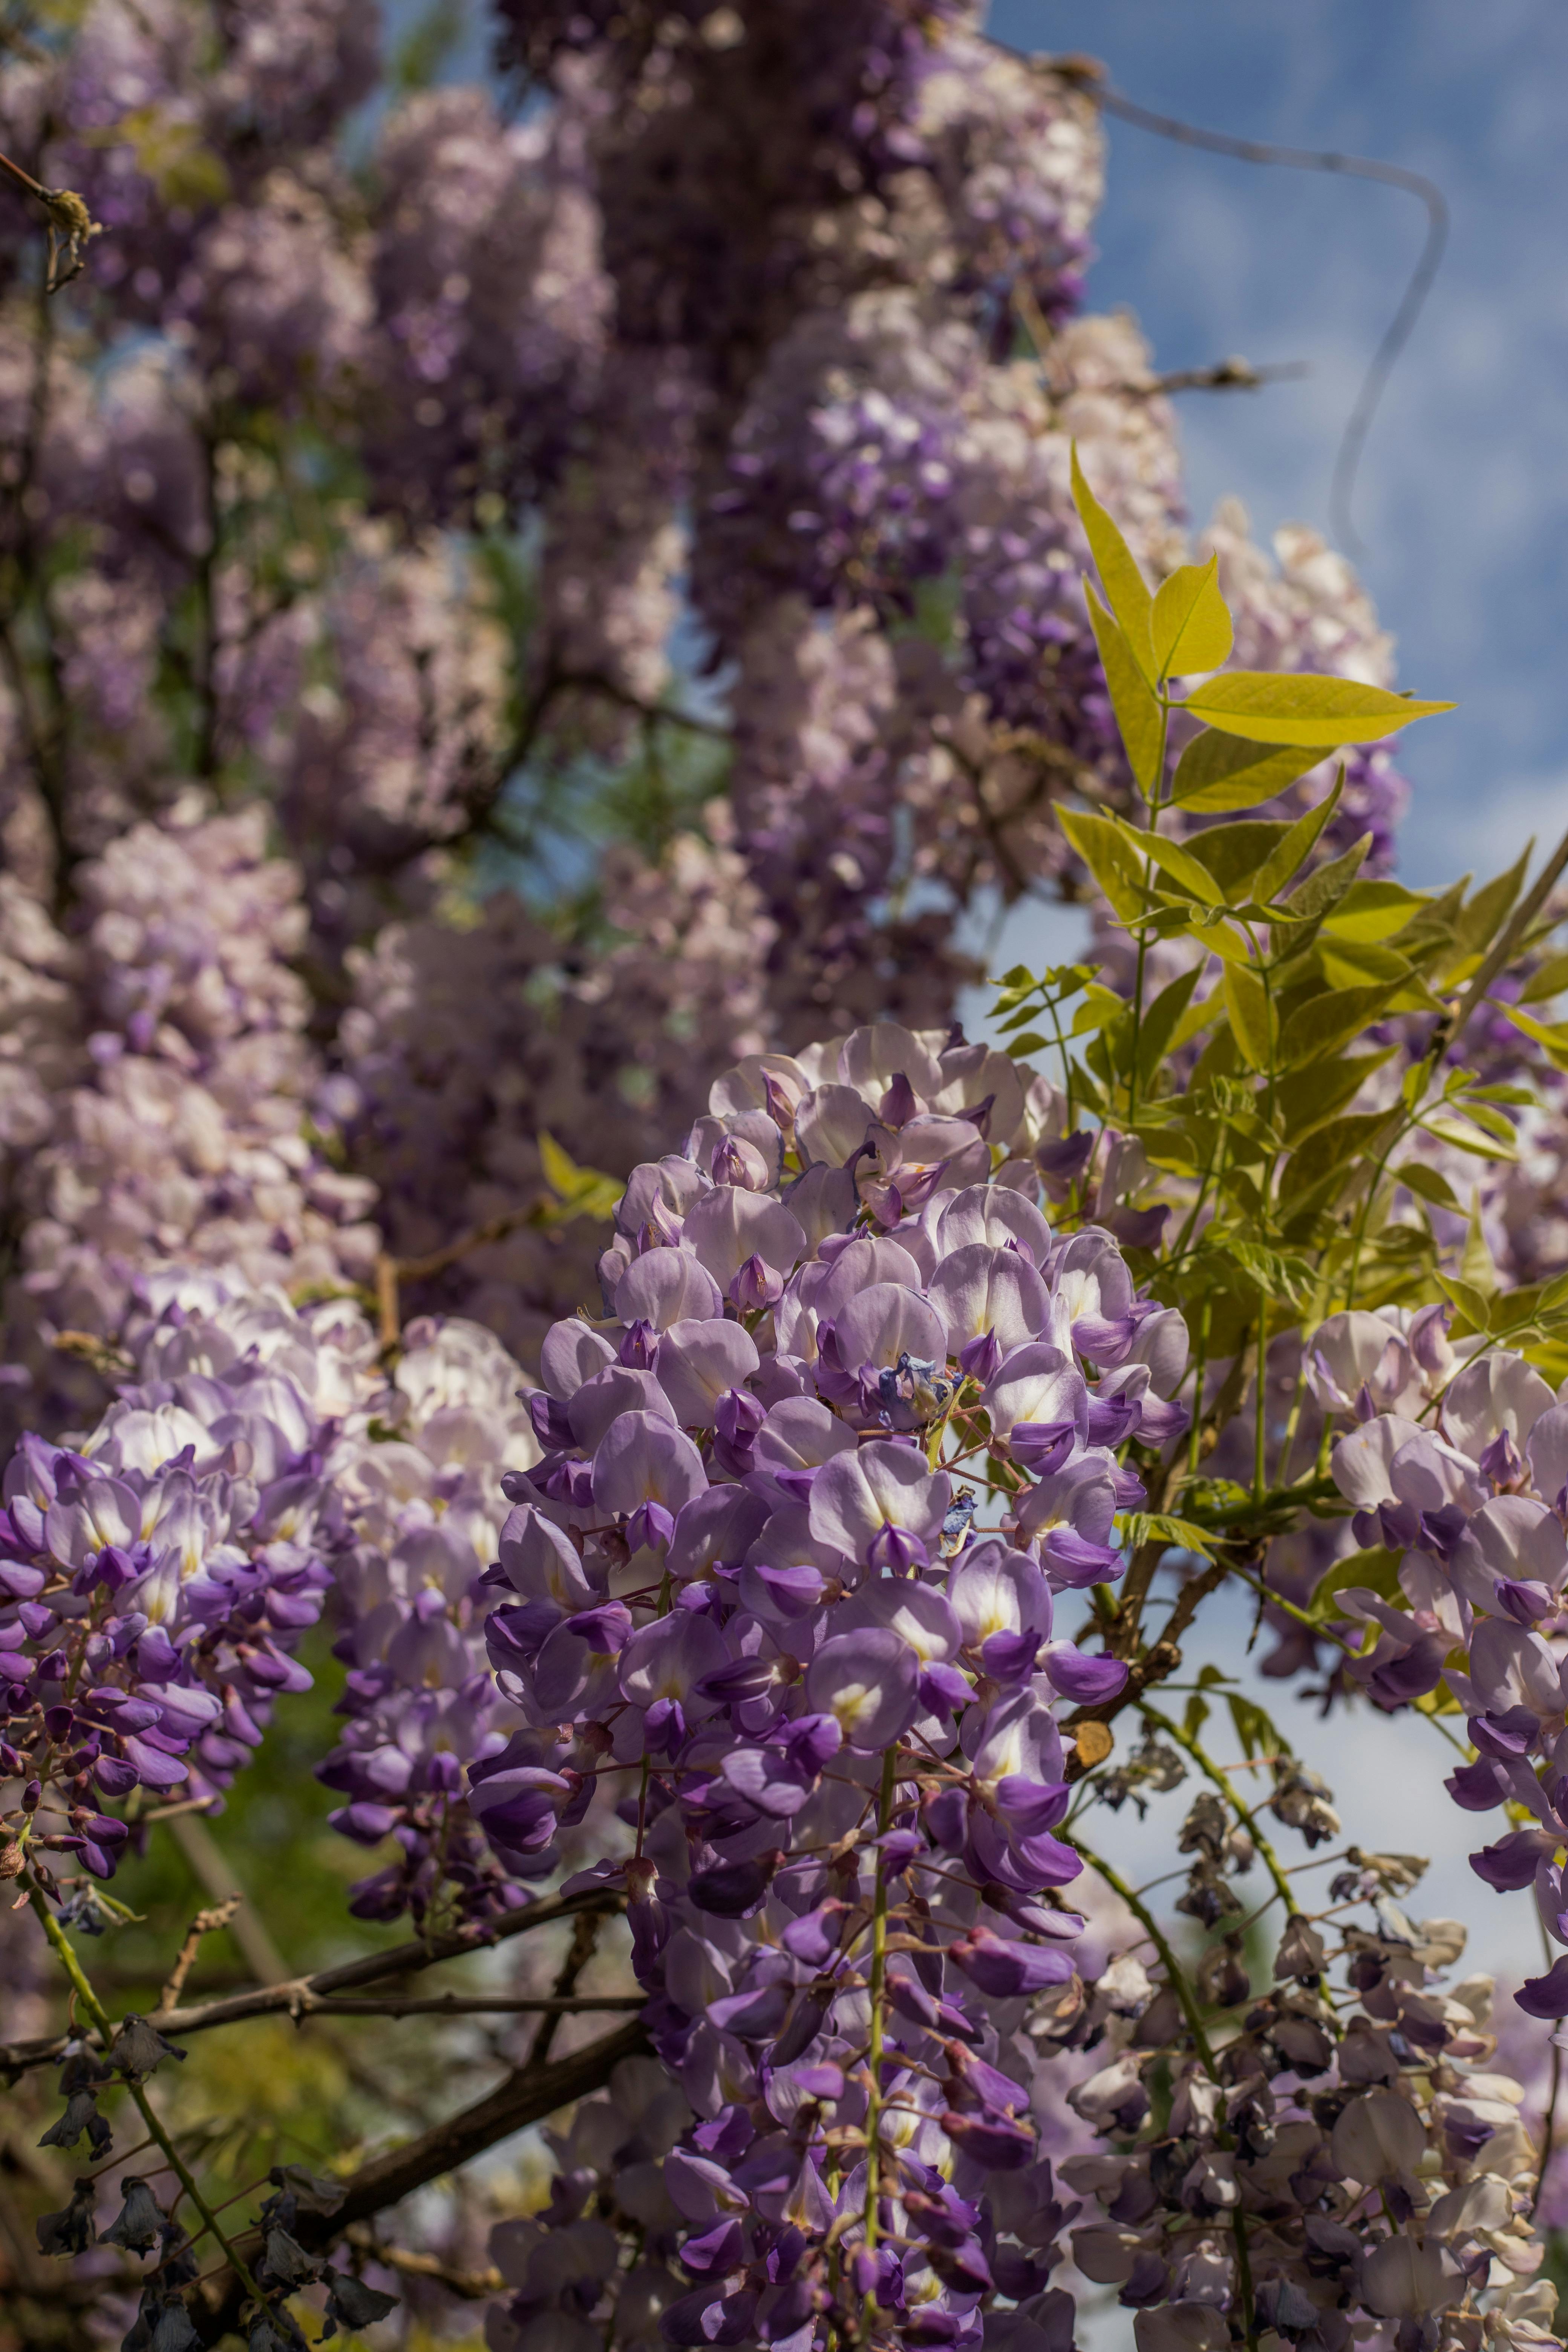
[1334,2150]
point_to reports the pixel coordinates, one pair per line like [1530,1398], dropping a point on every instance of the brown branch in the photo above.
[1156,1665]
[494,1229]
[202,1924]
[527,2095]
[473,2286]
[584,1938]
[402,1959]
[1225,375]
[454,2004]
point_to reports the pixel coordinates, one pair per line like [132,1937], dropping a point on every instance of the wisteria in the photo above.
[539,616]
[825,1661]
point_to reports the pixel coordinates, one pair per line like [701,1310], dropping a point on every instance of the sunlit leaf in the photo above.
[1132,699]
[1247,1004]
[1191,625]
[1107,850]
[1126,590]
[1296,707]
[1219,772]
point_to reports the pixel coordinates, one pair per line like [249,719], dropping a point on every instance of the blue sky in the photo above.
[1463,496]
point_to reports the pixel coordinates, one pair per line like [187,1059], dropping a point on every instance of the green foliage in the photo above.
[1273,1120]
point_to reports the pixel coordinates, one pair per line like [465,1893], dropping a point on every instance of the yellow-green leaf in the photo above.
[1324,1023]
[1285,862]
[1549,980]
[1191,627]
[1466,1138]
[1358,963]
[1188,872]
[1247,1004]
[1427,1184]
[1294,707]
[1126,590]
[1219,772]
[1550,1037]
[1107,850]
[1371,912]
[1132,699]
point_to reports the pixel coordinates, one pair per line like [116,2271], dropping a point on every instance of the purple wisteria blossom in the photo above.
[829,1699]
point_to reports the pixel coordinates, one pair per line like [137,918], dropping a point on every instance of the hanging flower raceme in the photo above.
[785,1577]
[157,1573]
[421,1503]
[1466,1502]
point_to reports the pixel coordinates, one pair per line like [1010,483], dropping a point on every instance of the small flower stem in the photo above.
[1212,1771]
[1184,1993]
[81,1985]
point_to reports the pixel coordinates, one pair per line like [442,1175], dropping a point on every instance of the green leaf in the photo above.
[1173,858]
[1233,853]
[1191,626]
[1257,1735]
[1286,862]
[1159,1022]
[1428,1185]
[1031,1042]
[1219,772]
[1376,1570]
[1294,707]
[1125,587]
[1132,699]
[1246,1002]
[1477,1263]
[1137,1527]
[1549,980]
[1327,1149]
[1462,1136]
[1326,885]
[1550,1037]
[1372,911]
[1328,1020]
[1106,849]
[1308,1096]
[1195,1716]
[581,1191]
[1359,964]
[1472,1302]
[1288,1280]
[1484,913]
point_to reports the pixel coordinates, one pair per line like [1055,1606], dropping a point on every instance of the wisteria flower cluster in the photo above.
[1460,1500]
[789,1568]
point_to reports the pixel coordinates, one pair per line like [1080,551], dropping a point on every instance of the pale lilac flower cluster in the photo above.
[462,1045]
[181,1082]
[418,1492]
[784,1577]
[1473,1502]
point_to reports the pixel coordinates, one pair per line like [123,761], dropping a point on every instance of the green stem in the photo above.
[1157,1936]
[65,1952]
[878,1992]
[1200,1370]
[1260,1432]
[1143,934]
